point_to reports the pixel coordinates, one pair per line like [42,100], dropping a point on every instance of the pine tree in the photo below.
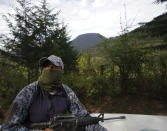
[37,32]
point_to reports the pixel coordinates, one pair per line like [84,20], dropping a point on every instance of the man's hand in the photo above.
[48,129]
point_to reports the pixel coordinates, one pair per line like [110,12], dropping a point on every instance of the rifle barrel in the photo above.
[112,118]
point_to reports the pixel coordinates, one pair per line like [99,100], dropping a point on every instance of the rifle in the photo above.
[70,122]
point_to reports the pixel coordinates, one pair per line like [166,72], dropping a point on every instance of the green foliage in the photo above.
[87,64]
[12,80]
[125,55]
[87,87]
[158,75]
[37,32]
[157,27]
[75,81]
[90,82]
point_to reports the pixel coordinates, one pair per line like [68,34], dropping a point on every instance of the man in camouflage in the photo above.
[40,100]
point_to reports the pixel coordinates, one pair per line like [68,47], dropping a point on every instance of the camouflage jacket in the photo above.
[18,112]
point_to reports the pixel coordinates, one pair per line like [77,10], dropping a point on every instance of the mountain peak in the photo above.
[87,40]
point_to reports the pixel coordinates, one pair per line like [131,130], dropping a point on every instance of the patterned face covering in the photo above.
[50,80]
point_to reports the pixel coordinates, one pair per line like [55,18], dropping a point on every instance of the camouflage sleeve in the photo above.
[95,127]
[18,112]
[79,110]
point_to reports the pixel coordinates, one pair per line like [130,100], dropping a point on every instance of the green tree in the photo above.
[12,80]
[93,80]
[35,33]
[124,55]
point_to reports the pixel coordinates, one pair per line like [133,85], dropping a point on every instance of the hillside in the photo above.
[87,40]
[156,28]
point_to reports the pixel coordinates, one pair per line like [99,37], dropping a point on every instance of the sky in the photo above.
[95,16]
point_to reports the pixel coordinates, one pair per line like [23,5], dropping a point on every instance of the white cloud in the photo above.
[6,2]
[102,16]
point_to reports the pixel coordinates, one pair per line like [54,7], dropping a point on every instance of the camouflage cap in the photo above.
[57,61]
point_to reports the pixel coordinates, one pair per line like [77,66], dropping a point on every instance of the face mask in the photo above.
[50,80]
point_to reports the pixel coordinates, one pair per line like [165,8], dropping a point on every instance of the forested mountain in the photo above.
[158,26]
[155,28]
[87,40]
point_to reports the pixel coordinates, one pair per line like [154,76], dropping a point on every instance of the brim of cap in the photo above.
[43,62]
